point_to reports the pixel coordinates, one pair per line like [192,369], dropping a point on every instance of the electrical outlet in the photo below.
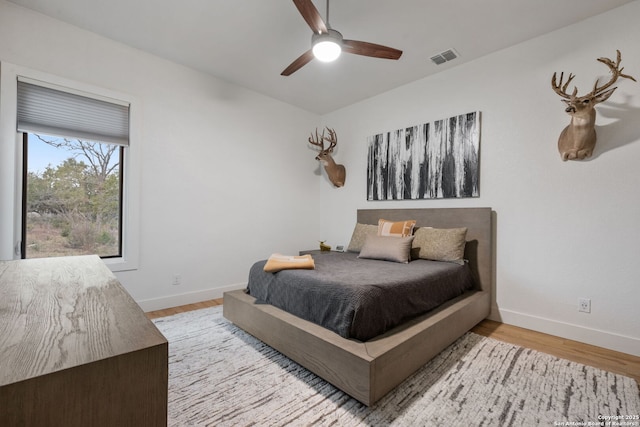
[176,280]
[584,305]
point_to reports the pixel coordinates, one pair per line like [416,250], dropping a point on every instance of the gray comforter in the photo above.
[359,298]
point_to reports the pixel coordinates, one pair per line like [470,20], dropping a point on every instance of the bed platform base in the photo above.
[366,371]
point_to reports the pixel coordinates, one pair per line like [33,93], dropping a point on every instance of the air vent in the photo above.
[445,56]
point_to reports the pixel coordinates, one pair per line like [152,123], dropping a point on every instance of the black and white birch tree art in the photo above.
[430,161]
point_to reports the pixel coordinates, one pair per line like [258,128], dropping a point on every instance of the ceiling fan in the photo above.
[327,43]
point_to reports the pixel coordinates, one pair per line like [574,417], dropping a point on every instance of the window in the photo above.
[74,148]
[12,170]
[72,197]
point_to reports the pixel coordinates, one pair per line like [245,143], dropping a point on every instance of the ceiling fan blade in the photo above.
[302,60]
[370,49]
[311,15]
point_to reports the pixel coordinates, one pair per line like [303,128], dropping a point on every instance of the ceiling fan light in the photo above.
[326,50]
[327,46]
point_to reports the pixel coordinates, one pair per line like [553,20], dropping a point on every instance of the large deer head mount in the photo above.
[335,172]
[578,139]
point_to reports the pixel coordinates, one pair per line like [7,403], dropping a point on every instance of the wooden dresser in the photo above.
[75,348]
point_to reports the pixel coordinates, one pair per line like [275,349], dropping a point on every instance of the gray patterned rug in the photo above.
[221,376]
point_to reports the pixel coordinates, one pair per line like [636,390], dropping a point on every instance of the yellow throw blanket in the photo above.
[277,262]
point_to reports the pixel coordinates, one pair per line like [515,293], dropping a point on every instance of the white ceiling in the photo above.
[249,42]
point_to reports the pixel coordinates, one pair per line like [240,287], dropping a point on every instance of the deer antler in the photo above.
[616,72]
[561,89]
[332,139]
[318,141]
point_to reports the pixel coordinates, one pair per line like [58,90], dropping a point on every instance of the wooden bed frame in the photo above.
[369,370]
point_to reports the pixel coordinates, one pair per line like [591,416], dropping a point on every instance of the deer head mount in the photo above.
[578,139]
[335,172]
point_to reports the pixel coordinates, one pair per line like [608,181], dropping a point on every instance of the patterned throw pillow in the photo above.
[360,233]
[441,244]
[396,228]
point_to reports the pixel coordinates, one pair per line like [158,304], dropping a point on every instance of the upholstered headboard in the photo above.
[479,246]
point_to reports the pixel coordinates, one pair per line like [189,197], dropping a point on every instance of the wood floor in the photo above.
[586,354]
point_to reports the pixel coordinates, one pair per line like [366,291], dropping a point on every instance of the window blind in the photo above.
[43,109]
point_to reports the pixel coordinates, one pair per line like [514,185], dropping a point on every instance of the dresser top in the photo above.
[58,313]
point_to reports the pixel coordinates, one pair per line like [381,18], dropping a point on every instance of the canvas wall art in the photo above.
[434,160]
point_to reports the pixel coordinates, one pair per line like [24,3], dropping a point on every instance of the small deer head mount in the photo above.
[335,172]
[578,139]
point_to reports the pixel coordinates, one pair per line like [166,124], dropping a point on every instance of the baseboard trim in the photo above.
[608,340]
[186,298]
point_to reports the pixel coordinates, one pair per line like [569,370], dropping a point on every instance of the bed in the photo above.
[369,369]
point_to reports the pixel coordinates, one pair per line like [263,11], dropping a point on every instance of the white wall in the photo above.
[226,176]
[564,229]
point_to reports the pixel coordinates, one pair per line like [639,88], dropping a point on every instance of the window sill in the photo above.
[120,264]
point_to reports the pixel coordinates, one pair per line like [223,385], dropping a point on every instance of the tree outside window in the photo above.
[73,197]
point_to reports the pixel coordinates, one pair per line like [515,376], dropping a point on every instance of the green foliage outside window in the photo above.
[74,207]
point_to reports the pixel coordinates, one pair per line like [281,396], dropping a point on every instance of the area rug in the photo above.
[221,376]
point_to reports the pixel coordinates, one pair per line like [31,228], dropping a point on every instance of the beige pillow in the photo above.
[396,228]
[440,244]
[360,233]
[386,248]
